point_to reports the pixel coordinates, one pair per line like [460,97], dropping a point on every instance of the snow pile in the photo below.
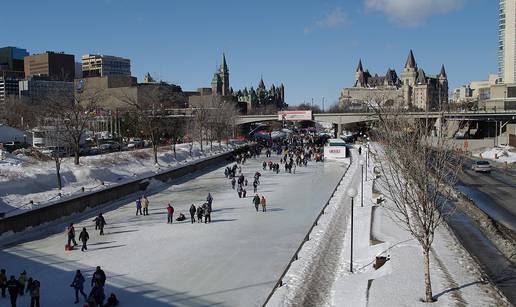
[24,178]
[501,154]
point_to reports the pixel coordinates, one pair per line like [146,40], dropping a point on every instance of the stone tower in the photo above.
[409,78]
[443,87]
[224,76]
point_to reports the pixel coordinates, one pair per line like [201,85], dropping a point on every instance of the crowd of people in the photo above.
[16,287]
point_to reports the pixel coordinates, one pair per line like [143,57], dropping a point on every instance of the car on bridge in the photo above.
[481,166]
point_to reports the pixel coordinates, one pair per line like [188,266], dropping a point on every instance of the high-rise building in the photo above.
[55,66]
[11,58]
[95,65]
[507,42]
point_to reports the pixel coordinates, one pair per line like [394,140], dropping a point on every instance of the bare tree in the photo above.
[418,175]
[73,111]
[175,128]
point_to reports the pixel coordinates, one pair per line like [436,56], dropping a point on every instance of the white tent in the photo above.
[10,134]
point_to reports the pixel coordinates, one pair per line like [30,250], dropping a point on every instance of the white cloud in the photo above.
[333,19]
[412,12]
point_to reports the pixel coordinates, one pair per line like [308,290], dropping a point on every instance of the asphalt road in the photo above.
[494,193]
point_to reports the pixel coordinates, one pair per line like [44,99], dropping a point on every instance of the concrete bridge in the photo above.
[341,119]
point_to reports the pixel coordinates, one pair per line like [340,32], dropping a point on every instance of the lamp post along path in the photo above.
[352,192]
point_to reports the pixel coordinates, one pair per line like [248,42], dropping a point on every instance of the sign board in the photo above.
[295,115]
[335,149]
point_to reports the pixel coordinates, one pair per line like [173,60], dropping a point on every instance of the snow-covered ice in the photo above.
[502,154]
[235,261]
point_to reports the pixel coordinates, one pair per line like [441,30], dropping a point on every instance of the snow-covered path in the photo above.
[234,261]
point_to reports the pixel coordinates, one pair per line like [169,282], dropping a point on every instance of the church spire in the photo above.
[443,72]
[411,62]
[359,67]
[223,65]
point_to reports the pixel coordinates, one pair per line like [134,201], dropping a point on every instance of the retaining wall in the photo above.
[103,197]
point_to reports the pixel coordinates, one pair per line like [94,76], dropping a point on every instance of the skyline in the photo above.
[314,51]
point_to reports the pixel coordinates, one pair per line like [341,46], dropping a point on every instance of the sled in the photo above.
[68,247]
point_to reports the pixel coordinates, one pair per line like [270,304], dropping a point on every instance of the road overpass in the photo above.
[341,119]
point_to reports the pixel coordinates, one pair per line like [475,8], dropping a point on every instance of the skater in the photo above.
[264,165]
[256,202]
[84,237]
[33,289]
[199,214]
[209,199]
[263,202]
[145,205]
[233,182]
[3,281]
[207,213]
[138,208]
[99,276]
[360,150]
[112,301]
[244,193]
[13,287]
[97,295]
[181,217]
[70,230]
[22,280]
[101,222]
[78,285]
[239,191]
[255,186]
[245,182]
[192,213]
[170,214]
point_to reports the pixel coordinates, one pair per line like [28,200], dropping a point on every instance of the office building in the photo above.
[507,41]
[94,65]
[55,66]
[38,89]
[11,59]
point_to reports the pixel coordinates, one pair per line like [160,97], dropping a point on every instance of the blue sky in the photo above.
[312,46]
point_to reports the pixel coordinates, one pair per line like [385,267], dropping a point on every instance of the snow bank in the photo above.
[24,179]
[501,154]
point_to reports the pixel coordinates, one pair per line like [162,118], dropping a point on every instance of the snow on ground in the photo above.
[502,154]
[23,178]
[455,276]
[235,261]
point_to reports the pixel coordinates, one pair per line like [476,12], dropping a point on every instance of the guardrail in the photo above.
[279,283]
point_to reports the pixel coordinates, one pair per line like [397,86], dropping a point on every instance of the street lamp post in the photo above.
[362,184]
[352,192]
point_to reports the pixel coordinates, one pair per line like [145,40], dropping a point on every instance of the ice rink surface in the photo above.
[234,261]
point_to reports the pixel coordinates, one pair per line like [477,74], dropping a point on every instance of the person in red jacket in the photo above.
[170,214]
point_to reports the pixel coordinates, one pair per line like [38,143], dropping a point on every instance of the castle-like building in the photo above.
[261,97]
[413,89]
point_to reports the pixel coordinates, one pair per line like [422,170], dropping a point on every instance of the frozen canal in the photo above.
[234,261]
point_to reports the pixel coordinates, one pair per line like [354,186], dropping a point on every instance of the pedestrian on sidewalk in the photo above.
[70,230]
[145,205]
[78,285]
[193,210]
[170,214]
[138,208]
[263,202]
[84,237]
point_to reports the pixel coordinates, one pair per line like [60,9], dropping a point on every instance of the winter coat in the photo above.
[70,231]
[3,279]
[138,204]
[192,210]
[78,282]
[100,276]
[256,200]
[170,210]
[33,288]
[100,221]
[23,278]
[84,236]
[206,210]
[97,294]
[263,202]
[199,211]
[145,203]
[13,287]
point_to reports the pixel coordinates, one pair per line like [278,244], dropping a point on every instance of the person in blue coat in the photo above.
[78,285]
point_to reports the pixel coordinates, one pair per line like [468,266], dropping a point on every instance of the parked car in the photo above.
[481,166]
[110,146]
[135,143]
